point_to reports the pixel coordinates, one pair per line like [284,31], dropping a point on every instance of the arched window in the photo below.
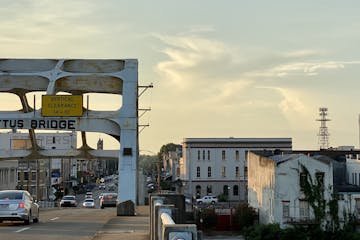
[236,190]
[209,190]
[198,191]
[198,172]
[237,172]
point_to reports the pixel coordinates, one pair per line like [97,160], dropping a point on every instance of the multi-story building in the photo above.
[8,177]
[277,187]
[38,175]
[171,163]
[217,166]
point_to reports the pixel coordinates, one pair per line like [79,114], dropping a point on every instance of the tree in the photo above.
[148,163]
[165,149]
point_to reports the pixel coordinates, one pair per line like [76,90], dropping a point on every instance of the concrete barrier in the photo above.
[162,224]
[46,204]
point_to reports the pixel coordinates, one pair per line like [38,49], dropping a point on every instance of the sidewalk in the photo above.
[127,227]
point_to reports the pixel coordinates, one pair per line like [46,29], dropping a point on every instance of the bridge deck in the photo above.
[127,227]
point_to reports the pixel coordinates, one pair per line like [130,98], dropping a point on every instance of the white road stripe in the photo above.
[53,219]
[21,230]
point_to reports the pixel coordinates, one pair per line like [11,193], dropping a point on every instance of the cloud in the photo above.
[192,60]
[294,105]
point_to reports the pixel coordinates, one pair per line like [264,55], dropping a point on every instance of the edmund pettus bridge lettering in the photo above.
[64,124]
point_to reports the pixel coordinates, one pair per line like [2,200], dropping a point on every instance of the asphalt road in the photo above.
[65,223]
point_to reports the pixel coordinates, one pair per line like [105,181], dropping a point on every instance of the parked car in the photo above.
[207,200]
[18,205]
[108,200]
[68,201]
[88,203]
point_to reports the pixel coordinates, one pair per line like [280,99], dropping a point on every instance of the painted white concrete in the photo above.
[77,77]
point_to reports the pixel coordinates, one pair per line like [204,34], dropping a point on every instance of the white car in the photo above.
[88,203]
[68,201]
[18,205]
[207,200]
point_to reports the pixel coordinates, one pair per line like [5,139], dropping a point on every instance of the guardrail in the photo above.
[162,224]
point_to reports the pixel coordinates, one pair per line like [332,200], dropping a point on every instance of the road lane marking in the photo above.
[22,229]
[53,219]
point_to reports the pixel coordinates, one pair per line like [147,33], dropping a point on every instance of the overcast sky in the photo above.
[219,68]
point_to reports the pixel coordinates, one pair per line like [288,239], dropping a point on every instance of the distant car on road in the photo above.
[68,201]
[108,200]
[88,195]
[88,203]
[207,200]
[18,205]
[102,186]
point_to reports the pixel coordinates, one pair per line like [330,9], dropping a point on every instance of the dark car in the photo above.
[108,200]
[18,205]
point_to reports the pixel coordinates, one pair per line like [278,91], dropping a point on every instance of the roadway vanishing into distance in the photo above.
[65,224]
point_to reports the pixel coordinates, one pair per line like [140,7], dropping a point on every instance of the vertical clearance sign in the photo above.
[62,105]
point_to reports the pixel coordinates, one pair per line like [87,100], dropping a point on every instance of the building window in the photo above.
[209,171]
[320,179]
[304,209]
[237,173]
[198,154]
[236,190]
[33,176]
[178,172]
[237,157]
[198,172]
[223,171]
[223,156]
[286,209]
[209,190]
[26,176]
[303,179]
[209,155]
[357,205]
[198,191]
[245,172]
[203,154]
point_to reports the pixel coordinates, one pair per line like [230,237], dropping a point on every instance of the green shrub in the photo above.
[244,216]
[263,232]
[209,218]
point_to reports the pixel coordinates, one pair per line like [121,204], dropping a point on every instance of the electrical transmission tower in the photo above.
[323,131]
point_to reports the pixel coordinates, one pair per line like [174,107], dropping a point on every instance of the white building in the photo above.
[215,166]
[275,187]
[37,175]
[8,174]
[353,168]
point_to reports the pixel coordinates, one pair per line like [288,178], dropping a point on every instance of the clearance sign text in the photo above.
[62,105]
